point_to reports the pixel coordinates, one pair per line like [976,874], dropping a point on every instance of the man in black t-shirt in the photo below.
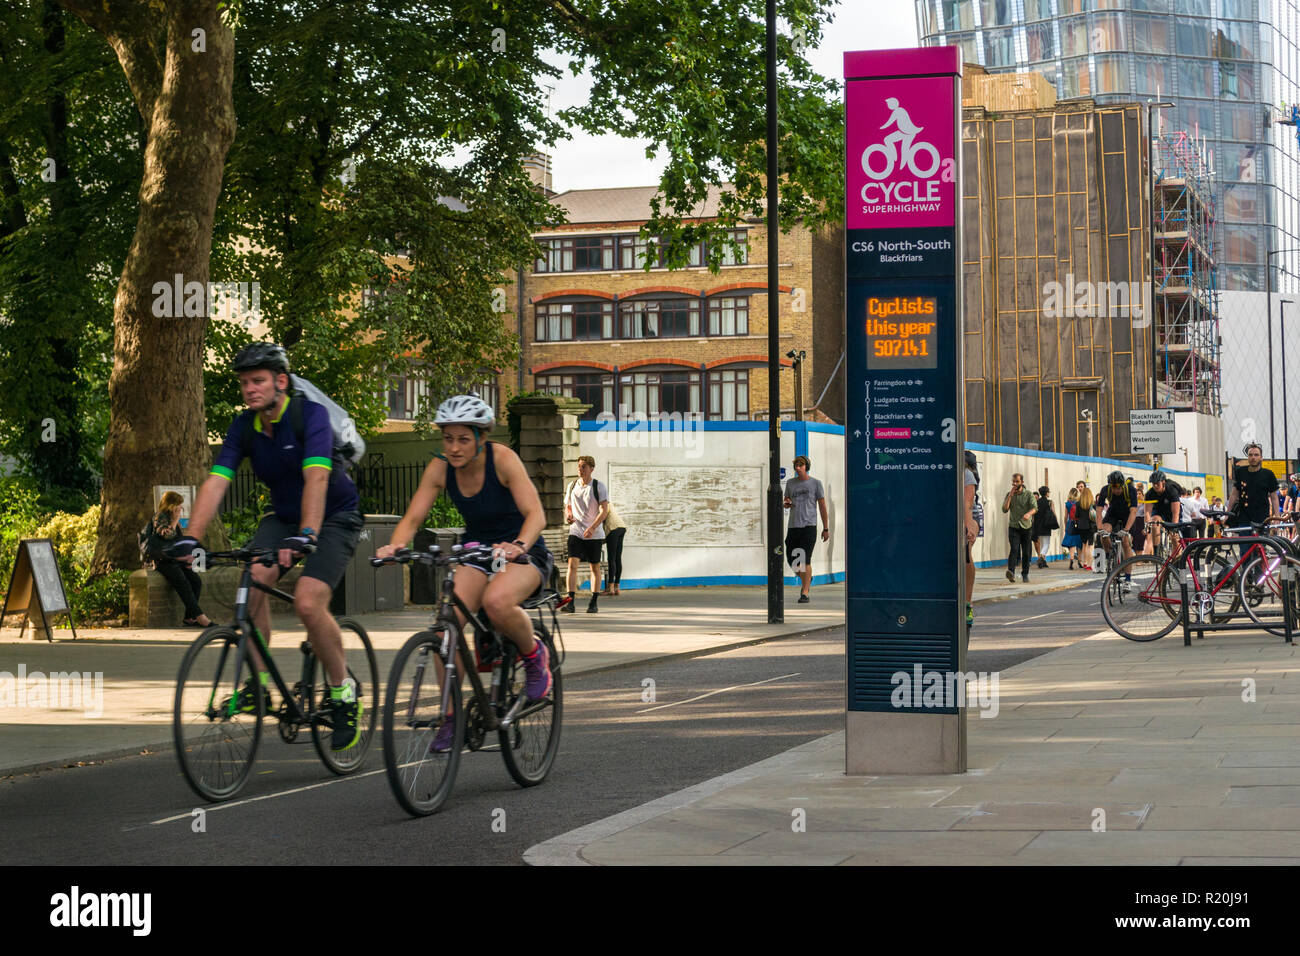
[1162,501]
[1254,489]
[1119,500]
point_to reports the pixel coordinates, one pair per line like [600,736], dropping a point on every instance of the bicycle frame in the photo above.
[489,704]
[247,631]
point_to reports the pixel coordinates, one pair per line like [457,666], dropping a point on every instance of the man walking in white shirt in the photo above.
[586,503]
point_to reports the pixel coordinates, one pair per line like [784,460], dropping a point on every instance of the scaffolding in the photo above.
[1185,293]
[1055,237]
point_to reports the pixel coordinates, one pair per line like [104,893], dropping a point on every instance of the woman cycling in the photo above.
[490,488]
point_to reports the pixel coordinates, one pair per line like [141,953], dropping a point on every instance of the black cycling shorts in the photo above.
[335,544]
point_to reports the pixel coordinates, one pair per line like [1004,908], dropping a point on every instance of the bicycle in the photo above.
[1260,581]
[419,703]
[1142,597]
[220,703]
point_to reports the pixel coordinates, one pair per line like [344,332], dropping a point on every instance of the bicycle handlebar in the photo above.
[265,556]
[459,554]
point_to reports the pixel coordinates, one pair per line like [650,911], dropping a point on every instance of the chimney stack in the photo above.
[538,167]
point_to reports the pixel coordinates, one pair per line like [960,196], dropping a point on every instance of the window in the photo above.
[1195,77]
[651,393]
[596,389]
[1106,33]
[405,392]
[1153,78]
[999,48]
[729,316]
[574,321]
[1151,34]
[487,390]
[958,14]
[680,317]
[1192,37]
[729,395]
[593,253]
[740,257]
[1112,74]
[1042,42]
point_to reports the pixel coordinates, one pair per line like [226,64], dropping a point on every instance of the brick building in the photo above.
[596,326]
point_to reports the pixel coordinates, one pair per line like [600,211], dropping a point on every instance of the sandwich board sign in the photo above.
[36,587]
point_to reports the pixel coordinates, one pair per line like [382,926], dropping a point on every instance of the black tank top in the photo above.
[491,516]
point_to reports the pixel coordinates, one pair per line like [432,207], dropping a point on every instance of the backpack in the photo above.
[595,489]
[1082,519]
[349,447]
[142,540]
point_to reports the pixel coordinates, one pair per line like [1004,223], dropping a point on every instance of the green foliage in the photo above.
[241,523]
[443,514]
[73,537]
[70,165]
[513,418]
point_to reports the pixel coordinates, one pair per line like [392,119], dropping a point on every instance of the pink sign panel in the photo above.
[901,168]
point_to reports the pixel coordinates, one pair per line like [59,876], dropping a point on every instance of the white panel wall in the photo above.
[1059,473]
[694,503]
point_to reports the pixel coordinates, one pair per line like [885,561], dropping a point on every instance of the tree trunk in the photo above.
[157,432]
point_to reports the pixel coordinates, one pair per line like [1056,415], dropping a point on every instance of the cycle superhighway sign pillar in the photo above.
[906,690]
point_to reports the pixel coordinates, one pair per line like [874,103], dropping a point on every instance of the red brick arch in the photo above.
[572,363]
[735,359]
[638,363]
[746,287]
[657,289]
[551,295]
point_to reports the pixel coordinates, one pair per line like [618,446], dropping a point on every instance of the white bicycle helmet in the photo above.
[465,410]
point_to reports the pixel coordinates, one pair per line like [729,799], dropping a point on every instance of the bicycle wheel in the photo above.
[215,743]
[360,658]
[1259,587]
[528,746]
[1134,603]
[418,701]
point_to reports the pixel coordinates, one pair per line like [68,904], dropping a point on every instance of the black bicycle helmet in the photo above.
[1115,478]
[1157,476]
[265,355]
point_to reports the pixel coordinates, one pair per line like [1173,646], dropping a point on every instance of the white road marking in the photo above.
[712,692]
[1035,617]
[269,796]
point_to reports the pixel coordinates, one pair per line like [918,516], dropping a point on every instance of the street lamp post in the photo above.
[797,359]
[1281,336]
[1151,240]
[1268,285]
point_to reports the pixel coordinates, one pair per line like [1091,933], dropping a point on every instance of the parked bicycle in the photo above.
[220,700]
[1142,597]
[427,723]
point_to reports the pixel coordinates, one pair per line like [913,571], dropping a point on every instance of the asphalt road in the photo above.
[709,715]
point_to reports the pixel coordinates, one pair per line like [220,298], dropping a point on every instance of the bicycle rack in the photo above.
[1281,545]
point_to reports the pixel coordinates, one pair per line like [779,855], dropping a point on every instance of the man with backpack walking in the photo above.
[297,453]
[586,503]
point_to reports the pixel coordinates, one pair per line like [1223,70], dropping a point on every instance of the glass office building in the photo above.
[1229,66]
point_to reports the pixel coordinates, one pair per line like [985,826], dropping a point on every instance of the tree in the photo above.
[68,155]
[378,126]
[178,61]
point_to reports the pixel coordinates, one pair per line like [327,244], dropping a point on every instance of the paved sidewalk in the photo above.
[1185,755]
[137,667]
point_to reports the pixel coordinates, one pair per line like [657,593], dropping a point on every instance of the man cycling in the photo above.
[493,493]
[1120,502]
[314,512]
[1163,501]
